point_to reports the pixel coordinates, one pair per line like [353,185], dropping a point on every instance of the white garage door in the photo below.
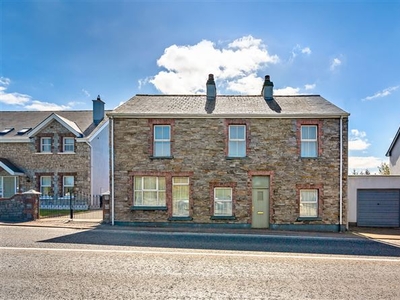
[378,208]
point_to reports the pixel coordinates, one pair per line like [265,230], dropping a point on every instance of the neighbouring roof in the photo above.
[77,120]
[389,152]
[143,106]
[10,167]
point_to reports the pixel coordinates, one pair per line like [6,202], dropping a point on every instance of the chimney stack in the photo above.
[267,89]
[211,89]
[98,110]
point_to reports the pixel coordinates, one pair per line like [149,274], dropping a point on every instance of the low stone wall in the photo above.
[20,207]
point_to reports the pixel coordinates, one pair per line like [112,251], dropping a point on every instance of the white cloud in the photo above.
[358,140]
[309,86]
[336,62]
[38,105]
[306,50]
[85,92]
[361,163]
[383,93]
[287,91]
[187,67]
[11,98]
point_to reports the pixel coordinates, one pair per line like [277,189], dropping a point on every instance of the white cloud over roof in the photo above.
[234,66]
[336,62]
[358,140]
[383,93]
[11,98]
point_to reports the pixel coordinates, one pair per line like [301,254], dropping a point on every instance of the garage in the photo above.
[378,207]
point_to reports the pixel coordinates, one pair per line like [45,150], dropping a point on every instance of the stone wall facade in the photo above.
[199,151]
[27,157]
[20,207]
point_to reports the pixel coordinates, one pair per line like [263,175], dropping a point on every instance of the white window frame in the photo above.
[68,188]
[16,185]
[165,142]
[43,196]
[45,147]
[303,203]
[140,191]
[236,144]
[309,142]
[68,146]
[1,186]
[218,212]
[180,207]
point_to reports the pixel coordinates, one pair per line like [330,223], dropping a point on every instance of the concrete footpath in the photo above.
[386,235]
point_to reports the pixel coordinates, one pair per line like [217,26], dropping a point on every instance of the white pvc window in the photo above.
[149,191]
[45,187]
[69,144]
[309,141]
[68,186]
[222,201]
[180,196]
[45,144]
[309,203]
[1,187]
[162,140]
[237,141]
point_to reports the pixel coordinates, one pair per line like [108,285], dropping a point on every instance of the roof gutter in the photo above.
[215,116]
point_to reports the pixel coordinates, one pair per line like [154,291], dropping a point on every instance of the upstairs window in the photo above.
[237,141]
[309,141]
[45,144]
[68,144]
[162,141]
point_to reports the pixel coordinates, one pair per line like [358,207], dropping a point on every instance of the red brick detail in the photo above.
[168,187]
[215,184]
[318,123]
[319,187]
[153,122]
[228,122]
[250,192]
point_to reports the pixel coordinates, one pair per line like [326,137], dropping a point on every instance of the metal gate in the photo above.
[75,206]
[378,208]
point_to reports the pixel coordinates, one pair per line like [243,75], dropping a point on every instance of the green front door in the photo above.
[260,202]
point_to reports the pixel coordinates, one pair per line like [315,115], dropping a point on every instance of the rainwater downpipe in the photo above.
[341,176]
[91,170]
[112,171]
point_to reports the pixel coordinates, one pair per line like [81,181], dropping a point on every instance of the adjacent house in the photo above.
[394,155]
[58,153]
[262,161]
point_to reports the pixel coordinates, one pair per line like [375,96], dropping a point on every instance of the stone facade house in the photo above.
[261,161]
[394,154]
[57,153]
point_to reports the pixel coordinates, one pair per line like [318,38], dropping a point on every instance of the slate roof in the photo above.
[227,106]
[9,166]
[30,119]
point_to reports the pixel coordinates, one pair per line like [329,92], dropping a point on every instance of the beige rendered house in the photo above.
[261,161]
[57,153]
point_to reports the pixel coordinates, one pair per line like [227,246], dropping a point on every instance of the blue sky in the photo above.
[62,54]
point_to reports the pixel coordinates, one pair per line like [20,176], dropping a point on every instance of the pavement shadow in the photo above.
[237,242]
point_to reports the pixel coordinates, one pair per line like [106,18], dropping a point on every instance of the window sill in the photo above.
[223,218]
[43,153]
[236,157]
[309,219]
[66,153]
[161,157]
[309,157]
[180,219]
[148,208]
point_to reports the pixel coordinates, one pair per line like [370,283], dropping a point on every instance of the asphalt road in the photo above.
[59,263]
